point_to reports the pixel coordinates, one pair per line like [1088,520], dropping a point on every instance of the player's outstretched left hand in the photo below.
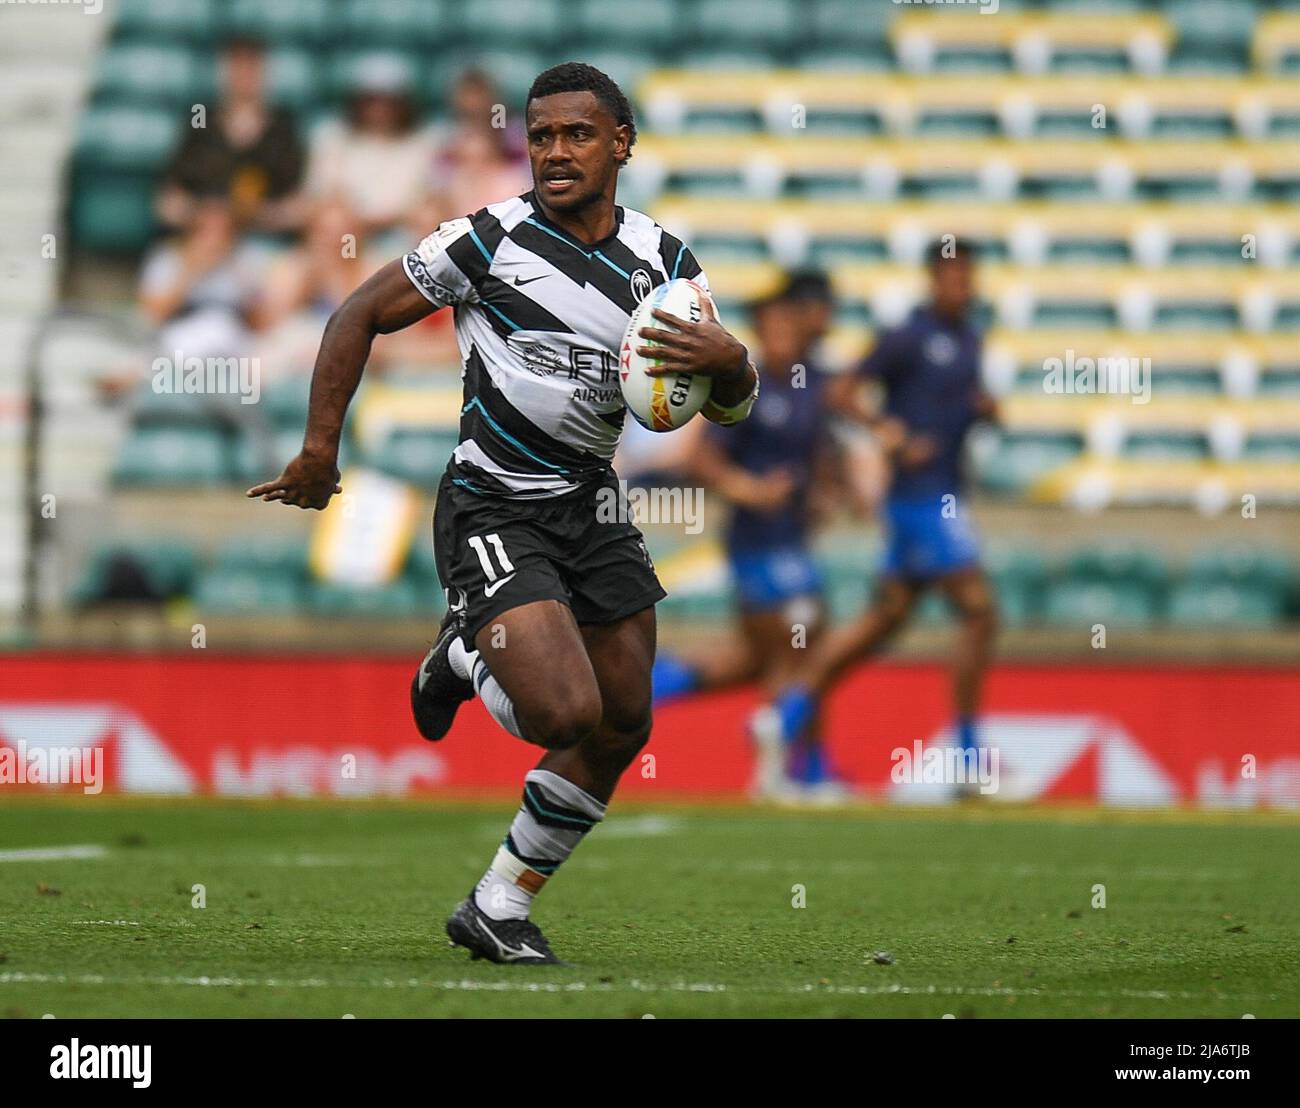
[706,348]
[307,482]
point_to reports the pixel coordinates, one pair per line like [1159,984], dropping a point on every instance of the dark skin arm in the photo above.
[385,303]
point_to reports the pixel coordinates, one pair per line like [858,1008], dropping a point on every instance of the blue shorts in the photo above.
[925,540]
[768,577]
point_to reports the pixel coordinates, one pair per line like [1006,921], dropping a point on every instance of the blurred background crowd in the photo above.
[225,172]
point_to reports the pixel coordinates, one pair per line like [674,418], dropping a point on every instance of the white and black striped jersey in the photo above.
[540,317]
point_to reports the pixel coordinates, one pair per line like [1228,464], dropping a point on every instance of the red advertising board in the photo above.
[306,725]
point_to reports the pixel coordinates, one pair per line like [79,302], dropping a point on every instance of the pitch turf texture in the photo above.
[322,910]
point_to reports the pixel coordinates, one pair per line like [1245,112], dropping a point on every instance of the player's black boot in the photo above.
[507,941]
[436,691]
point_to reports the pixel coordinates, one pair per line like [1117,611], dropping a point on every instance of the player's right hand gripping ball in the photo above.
[668,402]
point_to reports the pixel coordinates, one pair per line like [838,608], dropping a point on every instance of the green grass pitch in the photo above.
[322,910]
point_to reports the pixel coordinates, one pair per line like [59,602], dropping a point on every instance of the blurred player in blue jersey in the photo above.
[774,470]
[928,373]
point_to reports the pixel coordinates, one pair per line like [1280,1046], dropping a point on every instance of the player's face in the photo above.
[575,148]
[780,334]
[952,286]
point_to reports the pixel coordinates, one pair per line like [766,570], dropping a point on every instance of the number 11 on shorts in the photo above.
[485,559]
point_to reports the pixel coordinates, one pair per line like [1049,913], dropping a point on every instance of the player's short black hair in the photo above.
[580,77]
[948,248]
[798,286]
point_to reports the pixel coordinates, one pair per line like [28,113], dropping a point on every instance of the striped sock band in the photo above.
[554,817]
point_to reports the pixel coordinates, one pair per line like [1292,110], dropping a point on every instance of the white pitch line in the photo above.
[54,853]
[633,985]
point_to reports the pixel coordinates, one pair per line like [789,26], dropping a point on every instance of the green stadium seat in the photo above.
[722,122]
[648,23]
[627,67]
[1278,446]
[1083,604]
[1193,127]
[1089,252]
[243,592]
[1017,604]
[1196,604]
[421,566]
[849,24]
[768,24]
[1064,124]
[1190,381]
[1196,317]
[1079,62]
[828,253]
[304,21]
[167,563]
[400,599]
[293,78]
[1022,458]
[1071,315]
[1166,446]
[933,609]
[1197,252]
[274,555]
[955,124]
[173,457]
[847,584]
[415,454]
[973,61]
[1118,564]
[284,402]
[396,22]
[193,21]
[147,73]
[871,57]
[112,212]
[1199,58]
[1222,25]
[537,24]
[131,138]
[1246,566]
[1279,384]
[722,58]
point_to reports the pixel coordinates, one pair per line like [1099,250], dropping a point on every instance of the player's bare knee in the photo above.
[616,743]
[981,617]
[565,720]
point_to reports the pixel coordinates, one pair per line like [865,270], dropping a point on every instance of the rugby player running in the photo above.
[551,618]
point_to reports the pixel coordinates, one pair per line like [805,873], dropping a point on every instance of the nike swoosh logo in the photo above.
[490,590]
[522,281]
[509,953]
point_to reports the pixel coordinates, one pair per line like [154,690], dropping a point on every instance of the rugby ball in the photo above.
[668,402]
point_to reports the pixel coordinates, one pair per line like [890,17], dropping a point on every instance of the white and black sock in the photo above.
[554,817]
[467,664]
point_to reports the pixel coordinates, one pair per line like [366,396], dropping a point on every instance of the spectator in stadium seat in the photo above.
[246,152]
[374,163]
[198,287]
[482,157]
